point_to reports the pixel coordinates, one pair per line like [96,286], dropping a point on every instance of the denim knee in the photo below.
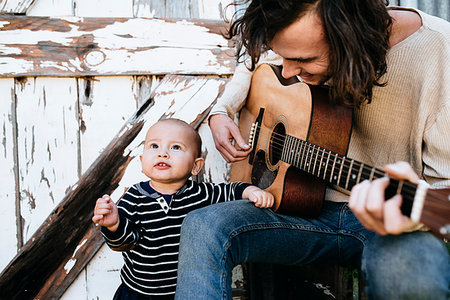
[410,266]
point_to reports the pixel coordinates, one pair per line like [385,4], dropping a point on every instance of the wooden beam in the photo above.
[60,280]
[73,46]
[54,245]
[15,6]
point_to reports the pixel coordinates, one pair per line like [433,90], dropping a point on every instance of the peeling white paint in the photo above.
[79,246]
[136,45]
[3,23]
[47,152]
[69,265]
[8,245]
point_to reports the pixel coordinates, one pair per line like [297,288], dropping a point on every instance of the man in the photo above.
[392,67]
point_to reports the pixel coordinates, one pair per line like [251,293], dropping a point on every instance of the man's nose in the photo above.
[290,69]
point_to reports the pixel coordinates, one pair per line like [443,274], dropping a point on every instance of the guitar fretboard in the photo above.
[337,169]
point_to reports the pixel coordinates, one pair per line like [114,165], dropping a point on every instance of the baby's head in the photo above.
[172,152]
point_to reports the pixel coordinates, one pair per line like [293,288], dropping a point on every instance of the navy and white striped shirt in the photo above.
[149,231]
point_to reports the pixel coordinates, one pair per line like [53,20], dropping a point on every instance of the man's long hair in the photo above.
[357,33]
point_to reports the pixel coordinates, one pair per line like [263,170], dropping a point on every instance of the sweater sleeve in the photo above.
[236,90]
[436,152]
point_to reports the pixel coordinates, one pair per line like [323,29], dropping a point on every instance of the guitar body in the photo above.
[288,107]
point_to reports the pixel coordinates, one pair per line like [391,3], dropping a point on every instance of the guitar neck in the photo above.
[421,204]
[339,170]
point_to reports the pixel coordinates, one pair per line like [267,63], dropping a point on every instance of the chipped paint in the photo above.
[69,265]
[81,244]
[112,46]
[77,46]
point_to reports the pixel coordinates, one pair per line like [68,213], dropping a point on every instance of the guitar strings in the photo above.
[279,141]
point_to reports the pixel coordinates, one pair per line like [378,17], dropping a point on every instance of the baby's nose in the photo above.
[163,153]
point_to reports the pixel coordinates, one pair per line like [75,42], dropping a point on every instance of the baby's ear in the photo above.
[198,165]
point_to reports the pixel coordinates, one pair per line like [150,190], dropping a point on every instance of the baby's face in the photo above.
[169,153]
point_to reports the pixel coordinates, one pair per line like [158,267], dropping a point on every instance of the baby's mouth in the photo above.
[162,165]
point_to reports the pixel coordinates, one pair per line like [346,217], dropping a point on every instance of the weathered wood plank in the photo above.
[190,9]
[8,245]
[60,280]
[47,146]
[105,104]
[164,9]
[104,8]
[112,46]
[216,169]
[63,230]
[43,8]
[14,6]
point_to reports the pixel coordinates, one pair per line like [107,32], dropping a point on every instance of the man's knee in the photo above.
[405,267]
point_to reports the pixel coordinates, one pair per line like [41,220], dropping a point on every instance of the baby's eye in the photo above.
[153,146]
[176,147]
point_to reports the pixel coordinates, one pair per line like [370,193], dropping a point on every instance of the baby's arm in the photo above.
[106,213]
[258,196]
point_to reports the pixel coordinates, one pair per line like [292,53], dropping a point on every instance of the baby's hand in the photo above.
[106,213]
[258,196]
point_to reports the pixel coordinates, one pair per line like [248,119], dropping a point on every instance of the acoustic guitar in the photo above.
[299,143]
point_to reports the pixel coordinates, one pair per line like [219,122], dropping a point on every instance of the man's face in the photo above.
[304,50]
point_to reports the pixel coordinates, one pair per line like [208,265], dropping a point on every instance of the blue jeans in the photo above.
[216,238]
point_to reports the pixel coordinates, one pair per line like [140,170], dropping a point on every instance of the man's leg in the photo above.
[409,266]
[217,238]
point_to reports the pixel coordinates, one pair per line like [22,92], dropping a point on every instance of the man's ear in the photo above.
[198,165]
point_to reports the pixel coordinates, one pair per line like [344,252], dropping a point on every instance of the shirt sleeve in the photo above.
[223,192]
[127,233]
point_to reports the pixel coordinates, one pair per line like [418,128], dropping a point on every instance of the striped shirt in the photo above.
[149,231]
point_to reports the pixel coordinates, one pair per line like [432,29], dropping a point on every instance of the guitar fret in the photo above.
[359,173]
[298,146]
[283,151]
[291,149]
[354,174]
[326,165]
[300,152]
[303,156]
[307,157]
[340,171]
[315,158]
[294,150]
[320,164]
[310,157]
[289,158]
[371,174]
[332,169]
[349,174]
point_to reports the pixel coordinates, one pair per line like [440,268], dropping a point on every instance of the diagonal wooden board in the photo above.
[65,242]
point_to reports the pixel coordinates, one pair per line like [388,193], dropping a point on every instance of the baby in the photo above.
[146,222]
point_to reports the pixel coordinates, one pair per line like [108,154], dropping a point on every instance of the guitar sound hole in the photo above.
[261,176]
[277,140]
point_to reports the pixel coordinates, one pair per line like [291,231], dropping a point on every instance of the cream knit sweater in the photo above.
[408,119]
